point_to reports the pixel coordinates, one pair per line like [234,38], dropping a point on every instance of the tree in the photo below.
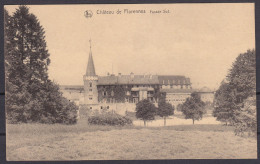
[30,95]
[165,110]
[17,98]
[145,110]
[193,108]
[247,118]
[223,106]
[30,49]
[239,85]
[242,76]
[179,107]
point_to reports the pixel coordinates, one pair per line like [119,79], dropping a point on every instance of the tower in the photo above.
[90,83]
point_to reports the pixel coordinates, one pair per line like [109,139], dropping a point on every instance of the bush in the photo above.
[112,119]
[130,114]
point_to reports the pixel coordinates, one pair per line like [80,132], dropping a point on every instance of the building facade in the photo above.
[122,92]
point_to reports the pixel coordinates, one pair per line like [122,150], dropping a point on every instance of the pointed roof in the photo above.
[90,68]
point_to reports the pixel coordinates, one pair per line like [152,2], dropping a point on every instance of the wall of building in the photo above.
[207,96]
[119,108]
[176,98]
[127,93]
[73,94]
[166,86]
[90,88]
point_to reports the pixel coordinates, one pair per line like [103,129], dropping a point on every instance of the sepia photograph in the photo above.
[130,81]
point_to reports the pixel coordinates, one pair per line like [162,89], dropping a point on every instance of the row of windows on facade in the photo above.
[126,86]
[170,100]
[175,82]
[161,87]
[154,86]
[175,86]
[100,107]
[134,93]
[113,100]
[172,96]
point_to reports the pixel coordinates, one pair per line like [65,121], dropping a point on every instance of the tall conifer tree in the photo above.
[30,95]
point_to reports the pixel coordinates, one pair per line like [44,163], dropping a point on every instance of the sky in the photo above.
[199,41]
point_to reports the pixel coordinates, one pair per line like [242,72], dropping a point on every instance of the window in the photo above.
[90,107]
[90,84]
[107,107]
[90,98]
[90,90]
[101,107]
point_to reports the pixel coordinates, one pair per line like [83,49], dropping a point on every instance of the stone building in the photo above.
[206,94]
[122,92]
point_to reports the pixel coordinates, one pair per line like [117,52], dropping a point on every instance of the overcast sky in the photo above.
[199,41]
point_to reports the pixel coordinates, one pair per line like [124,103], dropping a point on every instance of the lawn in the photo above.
[84,142]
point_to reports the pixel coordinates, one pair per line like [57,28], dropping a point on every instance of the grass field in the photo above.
[84,142]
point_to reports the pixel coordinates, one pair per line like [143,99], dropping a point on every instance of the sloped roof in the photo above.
[205,89]
[90,68]
[171,90]
[173,80]
[71,87]
[127,79]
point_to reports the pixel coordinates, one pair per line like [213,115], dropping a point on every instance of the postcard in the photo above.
[130,81]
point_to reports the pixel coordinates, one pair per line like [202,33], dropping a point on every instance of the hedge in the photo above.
[112,119]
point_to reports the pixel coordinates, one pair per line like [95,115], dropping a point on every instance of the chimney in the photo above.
[188,80]
[132,75]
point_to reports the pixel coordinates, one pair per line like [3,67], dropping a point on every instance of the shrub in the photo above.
[84,111]
[109,118]
[130,114]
